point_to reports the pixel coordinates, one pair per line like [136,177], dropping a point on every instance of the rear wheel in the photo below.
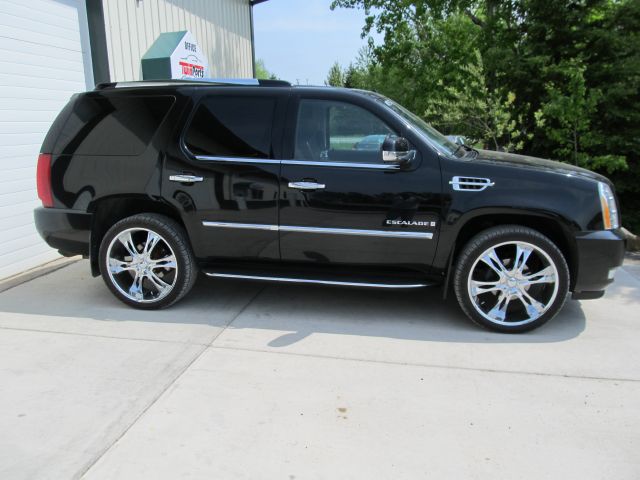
[146,261]
[511,279]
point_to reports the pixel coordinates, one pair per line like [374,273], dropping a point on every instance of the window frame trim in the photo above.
[270,161]
[290,115]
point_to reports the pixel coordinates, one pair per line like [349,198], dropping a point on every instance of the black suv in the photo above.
[154,181]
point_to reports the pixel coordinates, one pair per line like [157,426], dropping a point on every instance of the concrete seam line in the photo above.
[83,471]
[421,365]
[235,317]
[37,272]
[633,276]
[170,383]
[93,335]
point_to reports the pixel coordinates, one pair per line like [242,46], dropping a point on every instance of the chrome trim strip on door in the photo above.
[352,231]
[237,159]
[249,226]
[318,282]
[373,166]
[333,231]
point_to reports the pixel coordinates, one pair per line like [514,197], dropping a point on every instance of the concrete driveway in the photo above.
[258,381]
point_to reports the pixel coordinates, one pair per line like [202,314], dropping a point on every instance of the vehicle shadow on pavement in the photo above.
[421,314]
[297,310]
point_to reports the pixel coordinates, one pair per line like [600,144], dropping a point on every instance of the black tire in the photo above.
[173,243]
[508,290]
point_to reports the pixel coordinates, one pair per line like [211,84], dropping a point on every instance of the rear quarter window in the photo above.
[110,125]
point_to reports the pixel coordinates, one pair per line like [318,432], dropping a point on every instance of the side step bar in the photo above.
[319,281]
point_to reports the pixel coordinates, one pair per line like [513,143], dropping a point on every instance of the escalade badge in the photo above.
[410,223]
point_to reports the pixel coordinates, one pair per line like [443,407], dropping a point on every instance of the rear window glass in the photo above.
[106,125]
[232,127]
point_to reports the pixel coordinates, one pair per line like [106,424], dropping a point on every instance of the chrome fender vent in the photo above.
[470,184]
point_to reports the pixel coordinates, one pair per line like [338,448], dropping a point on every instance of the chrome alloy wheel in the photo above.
[513,283]
[142,265]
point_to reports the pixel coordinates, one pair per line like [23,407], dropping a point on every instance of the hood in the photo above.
[538,164]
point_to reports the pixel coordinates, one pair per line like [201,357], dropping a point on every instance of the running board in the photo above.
[320,281]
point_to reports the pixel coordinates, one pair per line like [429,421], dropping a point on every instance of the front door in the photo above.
[340,204]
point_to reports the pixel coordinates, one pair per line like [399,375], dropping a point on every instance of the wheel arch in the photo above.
[556,228]
[110,210]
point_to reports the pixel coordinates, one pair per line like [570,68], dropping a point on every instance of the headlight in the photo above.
[610,217]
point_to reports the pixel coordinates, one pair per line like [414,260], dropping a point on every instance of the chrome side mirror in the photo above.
[396,150]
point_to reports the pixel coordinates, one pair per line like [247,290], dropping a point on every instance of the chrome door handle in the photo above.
[306,185]
[186,178]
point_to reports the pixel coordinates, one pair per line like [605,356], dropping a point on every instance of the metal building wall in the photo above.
[221,27]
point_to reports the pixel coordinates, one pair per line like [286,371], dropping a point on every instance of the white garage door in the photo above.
[44,59]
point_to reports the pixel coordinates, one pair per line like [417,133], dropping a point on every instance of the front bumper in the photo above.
[598,253]
[68,231]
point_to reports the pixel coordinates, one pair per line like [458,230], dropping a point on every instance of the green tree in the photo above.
[483,114]
[614,68]
[262,73]
[562,77]
[566,116]
[335,78]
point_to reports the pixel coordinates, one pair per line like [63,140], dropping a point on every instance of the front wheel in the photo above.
[146,261]
[511,279]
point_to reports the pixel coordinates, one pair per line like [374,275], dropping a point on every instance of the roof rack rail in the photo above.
[205,81]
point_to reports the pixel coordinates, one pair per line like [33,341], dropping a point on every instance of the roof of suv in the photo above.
[251,82]
[140,85]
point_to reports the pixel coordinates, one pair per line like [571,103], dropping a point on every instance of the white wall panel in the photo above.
[221,27]
[44,59]
[23,208]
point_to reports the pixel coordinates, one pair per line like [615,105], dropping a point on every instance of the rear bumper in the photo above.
[598,254]
[68,231]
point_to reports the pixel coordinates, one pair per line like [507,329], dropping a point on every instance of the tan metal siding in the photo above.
[221,27]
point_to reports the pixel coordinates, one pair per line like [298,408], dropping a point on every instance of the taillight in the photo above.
[43,176]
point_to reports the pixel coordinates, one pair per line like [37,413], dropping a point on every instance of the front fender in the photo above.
[557,205]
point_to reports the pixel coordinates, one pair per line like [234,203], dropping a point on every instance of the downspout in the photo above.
[253,3]
[98,41]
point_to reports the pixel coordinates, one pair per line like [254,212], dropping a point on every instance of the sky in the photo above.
[299,40]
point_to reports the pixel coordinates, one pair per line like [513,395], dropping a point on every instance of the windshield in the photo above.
[434,137]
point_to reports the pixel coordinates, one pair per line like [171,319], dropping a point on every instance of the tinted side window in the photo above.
[232,127]
[105,125]
[338,131]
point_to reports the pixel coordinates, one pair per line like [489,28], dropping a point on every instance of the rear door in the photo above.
[223,177]
[339,203]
